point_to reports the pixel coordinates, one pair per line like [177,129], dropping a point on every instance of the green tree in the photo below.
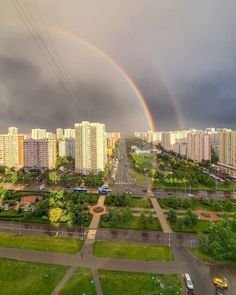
[53,177]
[221,241]
[126,214]
[55,215]
[144,220]
[171,217]
[151,218]
[41,208]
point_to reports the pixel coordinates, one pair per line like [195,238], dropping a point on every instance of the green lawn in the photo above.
[132,251]
[34,219]
[195,204]
[133,223]
[128,283]
[27,278]
[139,178]
[62,245]
[81,282]
[141,203]
[201,226]
[203,256]
[135,202]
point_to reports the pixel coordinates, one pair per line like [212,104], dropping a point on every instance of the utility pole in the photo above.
[20,226]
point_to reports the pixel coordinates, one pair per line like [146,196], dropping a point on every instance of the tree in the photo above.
[180,223]
[172,217]
[53,177]
[114,216]
[55,215]
[41,208]
[191,218]
[150,218]
[144,220]
[126,214]
[220,243]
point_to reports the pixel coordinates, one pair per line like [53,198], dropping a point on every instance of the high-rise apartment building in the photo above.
[90,147]
[112,139]
[69,133]
[11,148]
[199,146]
[38,133]
[36,153]
[66,147]
[227,153]
[59,133]
[169,138]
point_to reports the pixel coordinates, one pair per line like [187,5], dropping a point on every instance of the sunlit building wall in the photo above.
[90,147]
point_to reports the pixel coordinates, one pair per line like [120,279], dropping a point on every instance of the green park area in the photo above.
[81,282]
[59,207]
[132,251]
[63,175]
[173,172]
[50,244]
[125,200]
[117,282]
[219,244]
[27,278]
[227,205]
[124,219]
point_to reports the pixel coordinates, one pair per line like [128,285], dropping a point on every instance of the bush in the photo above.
[171,217]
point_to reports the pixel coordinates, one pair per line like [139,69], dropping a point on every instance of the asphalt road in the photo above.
[123,174]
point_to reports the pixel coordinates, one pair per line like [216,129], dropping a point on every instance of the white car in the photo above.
[188,281]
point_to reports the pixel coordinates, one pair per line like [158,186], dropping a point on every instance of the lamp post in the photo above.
[19,226]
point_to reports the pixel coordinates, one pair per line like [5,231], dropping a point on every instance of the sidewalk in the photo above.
[162,218]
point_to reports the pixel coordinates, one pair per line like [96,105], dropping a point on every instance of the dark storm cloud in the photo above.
[33,102]
[182,51]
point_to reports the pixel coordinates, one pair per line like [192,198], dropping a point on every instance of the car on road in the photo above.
[220,291]
[220,282]
[190,195]
[170,194]
[80,189]
[188,281]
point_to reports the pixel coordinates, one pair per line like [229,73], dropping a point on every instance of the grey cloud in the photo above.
[183,50]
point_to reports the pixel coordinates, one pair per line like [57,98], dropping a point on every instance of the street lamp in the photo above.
[19,226]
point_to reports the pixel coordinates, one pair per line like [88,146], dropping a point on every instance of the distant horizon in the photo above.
[109,130]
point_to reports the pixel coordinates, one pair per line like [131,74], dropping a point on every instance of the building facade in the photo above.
[90,147]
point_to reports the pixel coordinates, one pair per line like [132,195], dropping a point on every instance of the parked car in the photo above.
[188,281]
[220,291]
[220,282]
[190,195]
[170,194]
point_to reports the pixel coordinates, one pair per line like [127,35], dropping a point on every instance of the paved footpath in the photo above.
[162,218]
[86,253]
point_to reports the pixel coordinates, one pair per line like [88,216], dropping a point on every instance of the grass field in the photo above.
[81,282]
[139,178]
[117,283]
[203,256]
[27,278]
[201,226]
[132,251]
[61,245]
[133,223]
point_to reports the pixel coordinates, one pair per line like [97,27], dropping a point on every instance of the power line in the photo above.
[60,64]
[38,38]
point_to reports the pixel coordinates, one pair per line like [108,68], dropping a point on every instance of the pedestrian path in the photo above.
[97,282]
[64,280]
[162,218]
[95,220]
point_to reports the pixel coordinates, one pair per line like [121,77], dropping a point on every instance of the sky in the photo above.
[56,69]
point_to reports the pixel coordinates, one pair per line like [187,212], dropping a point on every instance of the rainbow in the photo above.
[124,74]
[116,65]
